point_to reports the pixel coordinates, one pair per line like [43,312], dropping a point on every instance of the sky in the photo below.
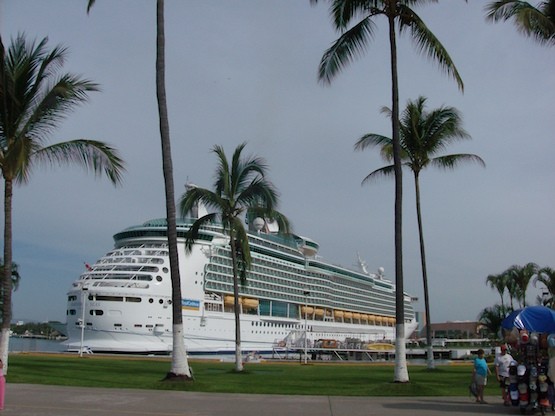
[246,71]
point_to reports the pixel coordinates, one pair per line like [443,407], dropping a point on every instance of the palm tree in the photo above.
[498,282]
[352,43]
[546,276]
[492,318]
[179,364]
[34,99]
[239,187]
[521,276]
[535,21]
[422,135]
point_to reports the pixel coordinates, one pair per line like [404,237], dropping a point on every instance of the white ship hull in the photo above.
[122,303]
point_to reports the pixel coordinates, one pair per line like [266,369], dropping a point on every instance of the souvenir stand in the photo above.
[530,334]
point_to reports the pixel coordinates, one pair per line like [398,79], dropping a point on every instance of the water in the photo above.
[35,345]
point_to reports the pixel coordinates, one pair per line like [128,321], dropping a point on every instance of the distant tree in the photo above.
[356,21]
[537,22]
[15,275]
[34,99]
[239,187]
[423,135]
[546,276]
[498,282]
[491,318]
[521,276]
[15,281]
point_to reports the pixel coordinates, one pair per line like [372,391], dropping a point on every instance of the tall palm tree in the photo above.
[521,276]
[422,135]
[239,187]
[499,283]
[355,20]
[535,21]
[546,276]
[34,98]
[179,364]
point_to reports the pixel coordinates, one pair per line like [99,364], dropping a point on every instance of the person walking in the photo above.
[502,363]
[480,373]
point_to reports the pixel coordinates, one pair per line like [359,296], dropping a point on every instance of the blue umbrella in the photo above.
[532,318]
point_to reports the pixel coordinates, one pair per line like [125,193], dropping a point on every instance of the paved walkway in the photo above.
[39,400]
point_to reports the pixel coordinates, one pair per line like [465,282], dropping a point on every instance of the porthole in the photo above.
[160,301]
[165,269]
[158,278]
[150,300]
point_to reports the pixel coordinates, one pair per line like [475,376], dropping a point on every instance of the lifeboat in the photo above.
[371,318]
[381,346]
[338,314]
[228,300]
[348,315]
[378,320]
[307,310]
[319,312]
[249,303]
[364,317]
[329,343]
[356,315]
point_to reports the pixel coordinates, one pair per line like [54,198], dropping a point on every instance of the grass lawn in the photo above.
[335,379]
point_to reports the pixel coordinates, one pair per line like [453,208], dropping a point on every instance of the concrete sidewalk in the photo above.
[35,400]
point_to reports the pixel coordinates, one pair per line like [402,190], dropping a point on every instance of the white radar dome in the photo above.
[258,223]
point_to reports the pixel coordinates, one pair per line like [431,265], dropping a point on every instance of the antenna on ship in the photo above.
[362,264]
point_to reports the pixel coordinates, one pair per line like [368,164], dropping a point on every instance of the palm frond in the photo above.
[386,171]
[90,154]
[193,233]
[454,160]
[427,42]
[537,22]
[349,46]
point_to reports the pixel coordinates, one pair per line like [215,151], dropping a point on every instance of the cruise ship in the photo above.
[122,303]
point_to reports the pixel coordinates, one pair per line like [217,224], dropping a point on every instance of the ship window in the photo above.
[150,300]
[133,299]
[96,312]
[109,298]
[117,325]
[165,269]
[72,312]
[138,325]
[160,301]
[158,278]
[71,298]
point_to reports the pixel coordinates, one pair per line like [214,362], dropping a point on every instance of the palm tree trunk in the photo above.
[236,309]
[179,365]
[401,372]
[7,275]
[430,357]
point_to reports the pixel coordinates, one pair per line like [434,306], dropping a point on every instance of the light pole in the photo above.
[306,294]
[83,292]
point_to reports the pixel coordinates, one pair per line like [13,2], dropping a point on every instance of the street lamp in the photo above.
[83,292]
[306,294]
